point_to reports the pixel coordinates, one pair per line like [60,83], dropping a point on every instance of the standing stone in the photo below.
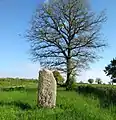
[46,89]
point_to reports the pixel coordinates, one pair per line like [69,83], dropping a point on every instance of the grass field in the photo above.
[21,105]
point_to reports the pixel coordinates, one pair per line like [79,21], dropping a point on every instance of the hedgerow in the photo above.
[106,94]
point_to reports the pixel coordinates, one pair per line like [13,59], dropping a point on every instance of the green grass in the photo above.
[21,105]
[5,82]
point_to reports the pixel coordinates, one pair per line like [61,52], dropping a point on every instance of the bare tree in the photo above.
[65,35]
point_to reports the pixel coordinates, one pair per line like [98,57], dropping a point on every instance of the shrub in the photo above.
[13,88]
[106,94]
[58,77]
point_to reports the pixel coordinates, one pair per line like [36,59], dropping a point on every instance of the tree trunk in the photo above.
[68,73]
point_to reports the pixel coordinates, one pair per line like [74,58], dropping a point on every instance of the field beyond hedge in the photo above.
[20,104]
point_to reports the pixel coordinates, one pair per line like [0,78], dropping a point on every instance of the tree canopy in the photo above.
[90,80]
[98,81]
[58,77]
[110,70]
[65,35]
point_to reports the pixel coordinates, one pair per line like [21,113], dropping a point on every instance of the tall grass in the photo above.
[21,105]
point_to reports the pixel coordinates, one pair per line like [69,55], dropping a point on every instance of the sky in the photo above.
[15,16]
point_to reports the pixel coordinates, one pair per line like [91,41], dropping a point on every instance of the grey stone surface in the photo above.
[46,89]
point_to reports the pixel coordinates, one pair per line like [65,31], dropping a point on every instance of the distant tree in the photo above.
[110,82]
[113,80]
[81,82]
[58,77]
[110,70]
[90,81]
[98,81]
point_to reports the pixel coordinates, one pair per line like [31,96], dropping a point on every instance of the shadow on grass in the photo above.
[19,104]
